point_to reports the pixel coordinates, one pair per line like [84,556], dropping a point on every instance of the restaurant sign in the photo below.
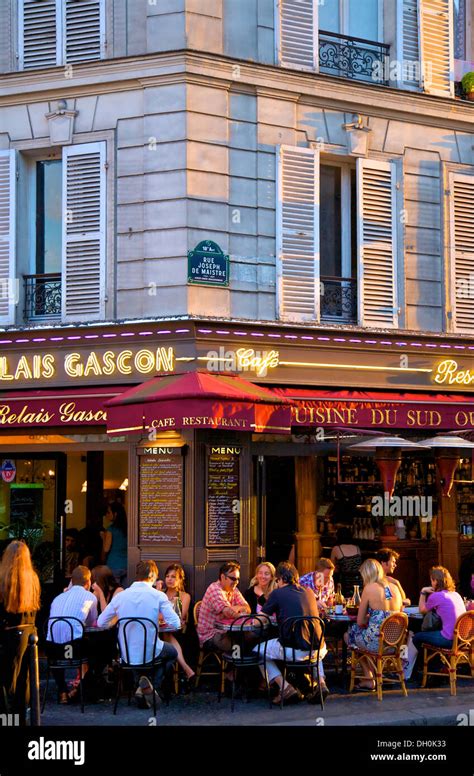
[377,414]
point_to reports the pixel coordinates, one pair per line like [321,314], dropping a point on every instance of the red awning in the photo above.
[380,409]
[198,400]
[56,407]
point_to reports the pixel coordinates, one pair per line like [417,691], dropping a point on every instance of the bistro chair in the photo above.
[293,627]
[387,658]
[56,663]
[237,658]
[462,651]
[148,631]
[205,655]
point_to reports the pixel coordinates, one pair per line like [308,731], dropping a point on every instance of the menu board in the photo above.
[161,497]
[26,502]
[223,496]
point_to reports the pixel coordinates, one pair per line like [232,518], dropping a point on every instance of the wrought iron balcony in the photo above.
[338,300]
[356,58]
[42,296]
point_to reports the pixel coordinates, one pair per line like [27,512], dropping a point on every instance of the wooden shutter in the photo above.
[376,239]
[84,223]
[297,34]
[8,283]
[83,26]
[38,33]
[298,234]
[436,37]
[462,252]
[410,43]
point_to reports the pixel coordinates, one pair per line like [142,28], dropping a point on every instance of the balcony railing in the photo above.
[338,300]
[42,296]
[357,58]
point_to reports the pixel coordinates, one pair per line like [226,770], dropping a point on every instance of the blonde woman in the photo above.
[380,598]
[261,585]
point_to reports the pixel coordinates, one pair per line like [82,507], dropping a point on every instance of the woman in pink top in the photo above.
[448,605]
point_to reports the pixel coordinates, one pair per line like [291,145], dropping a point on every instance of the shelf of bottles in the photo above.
[465,499]
[416,477]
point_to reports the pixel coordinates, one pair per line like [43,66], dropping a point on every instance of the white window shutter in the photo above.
[84,225]
[376,241]
[462,251]
[298,234]
[409,32]
[83,26]
[8,283]
[297,34]
[436,42]
[38,34]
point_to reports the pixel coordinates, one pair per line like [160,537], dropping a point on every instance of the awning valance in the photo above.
[198,400]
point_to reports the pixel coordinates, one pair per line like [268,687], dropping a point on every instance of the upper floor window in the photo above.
[352,18]
[60,32]
[459,29]
[336,240]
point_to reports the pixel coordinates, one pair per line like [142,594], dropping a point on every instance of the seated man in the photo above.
[78,602]
[221,601]
[320,581]
[291,600]
[142,600]
[388,560]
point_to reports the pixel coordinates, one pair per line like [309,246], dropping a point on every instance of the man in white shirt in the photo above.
[76,602]
[142,600]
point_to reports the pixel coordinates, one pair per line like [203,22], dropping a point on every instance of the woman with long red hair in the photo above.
[19,601]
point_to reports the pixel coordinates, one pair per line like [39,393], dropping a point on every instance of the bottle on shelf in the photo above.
[339,600]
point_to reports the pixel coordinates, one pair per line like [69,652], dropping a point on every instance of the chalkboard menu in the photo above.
[161,496]
[26,502]
[223,496]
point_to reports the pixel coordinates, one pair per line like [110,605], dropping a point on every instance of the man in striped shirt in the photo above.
[77,602]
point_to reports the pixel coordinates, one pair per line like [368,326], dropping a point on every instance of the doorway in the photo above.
[278,507]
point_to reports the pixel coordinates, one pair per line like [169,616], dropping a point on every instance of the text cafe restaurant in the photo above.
[228,441]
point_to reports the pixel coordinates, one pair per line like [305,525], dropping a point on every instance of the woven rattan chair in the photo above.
[387,658]
[462,651]
[205,655]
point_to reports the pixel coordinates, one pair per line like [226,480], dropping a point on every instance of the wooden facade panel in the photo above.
[418,266]
[423,214]
[422,188]
[423,292]
[423,240]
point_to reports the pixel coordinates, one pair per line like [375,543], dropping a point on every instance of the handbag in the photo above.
[431,621]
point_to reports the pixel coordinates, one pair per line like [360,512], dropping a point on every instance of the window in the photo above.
[461,215]
[336,240]
[338,243]
[352,18]
[425,46]
[61,231]
[459,27]
[60,32]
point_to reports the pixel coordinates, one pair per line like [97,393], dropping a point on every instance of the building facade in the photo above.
[327,150]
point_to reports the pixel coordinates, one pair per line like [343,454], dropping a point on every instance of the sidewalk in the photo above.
[430,707]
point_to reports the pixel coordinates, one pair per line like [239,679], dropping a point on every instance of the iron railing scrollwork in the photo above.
[355,58]
[42,296]
[338,299]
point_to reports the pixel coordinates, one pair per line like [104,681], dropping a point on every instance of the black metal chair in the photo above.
[77,659]
[237,658]
[149,648]
[292,628]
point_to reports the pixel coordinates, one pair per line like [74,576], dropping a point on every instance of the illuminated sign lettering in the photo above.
[447,372]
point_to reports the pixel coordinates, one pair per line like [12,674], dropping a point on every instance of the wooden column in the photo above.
[448,534]
[95,487]
[308,546]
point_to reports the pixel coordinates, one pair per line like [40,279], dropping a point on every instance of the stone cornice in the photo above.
[215,70]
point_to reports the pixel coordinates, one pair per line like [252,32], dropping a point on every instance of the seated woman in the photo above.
[347,557]
[174,589]
[261,585]
[380,598]
[446,602]
[320,581]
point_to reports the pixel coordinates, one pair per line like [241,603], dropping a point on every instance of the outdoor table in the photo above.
[337,625]
[163,627]
[226,625]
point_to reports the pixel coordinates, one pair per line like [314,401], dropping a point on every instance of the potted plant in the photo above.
[468,85]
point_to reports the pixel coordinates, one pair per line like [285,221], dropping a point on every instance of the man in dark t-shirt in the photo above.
[291,600]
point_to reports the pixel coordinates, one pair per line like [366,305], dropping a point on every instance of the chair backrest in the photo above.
[393,632]
[259,628]
[463,637]
[196,610]
[64,632]
[310,629]
[139,632]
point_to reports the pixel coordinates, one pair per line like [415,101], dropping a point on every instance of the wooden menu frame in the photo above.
[226,496]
